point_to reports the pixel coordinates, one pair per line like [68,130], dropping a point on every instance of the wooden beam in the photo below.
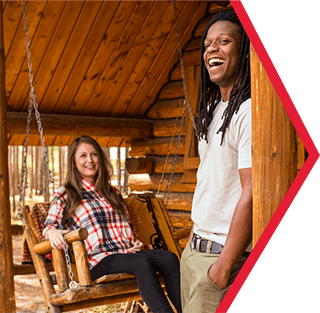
[274,158]
[7,297]
[76,125]
[139,165]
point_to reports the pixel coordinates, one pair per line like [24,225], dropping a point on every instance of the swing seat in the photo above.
[154,228]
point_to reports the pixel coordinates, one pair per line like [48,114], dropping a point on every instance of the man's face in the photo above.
[221,56]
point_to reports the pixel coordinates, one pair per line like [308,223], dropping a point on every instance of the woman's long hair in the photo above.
[210,92]
[73,184]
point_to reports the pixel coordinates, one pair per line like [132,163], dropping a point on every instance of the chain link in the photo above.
[34,105]
[187,102]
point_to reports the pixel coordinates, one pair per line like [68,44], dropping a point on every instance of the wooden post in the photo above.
[7,297]
[119,168]
[274,157]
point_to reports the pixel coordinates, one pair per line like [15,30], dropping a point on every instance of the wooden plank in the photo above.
[47,24]
[171,90]
[139,165]
[142,71]
[115,142]
[71,53]
[190,58]
[11,18]
[152,183]
[111,103]
[62,140]
[274,158]
[190,176]
[16,140]
[186,25]
[180,219]
[168,128]
[164,163]
[27,269]
[90,62]
[54,51]
[171,108]
[102,301]
[158,146]
[118,58]
[7,298]
[178,201]
[97,72]
[97,291]
[67,125]
[17,51]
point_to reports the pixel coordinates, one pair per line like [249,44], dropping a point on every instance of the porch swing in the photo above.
[67,283]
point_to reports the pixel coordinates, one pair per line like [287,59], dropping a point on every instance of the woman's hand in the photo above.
[55,237]
[137,246]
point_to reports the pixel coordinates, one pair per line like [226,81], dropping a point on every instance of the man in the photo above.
[222,203]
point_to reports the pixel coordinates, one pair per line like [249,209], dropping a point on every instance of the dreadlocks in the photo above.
[210,92]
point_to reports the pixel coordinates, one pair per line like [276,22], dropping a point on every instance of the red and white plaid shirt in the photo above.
[108,231]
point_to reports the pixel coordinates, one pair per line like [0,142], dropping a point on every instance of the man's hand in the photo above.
[219,276]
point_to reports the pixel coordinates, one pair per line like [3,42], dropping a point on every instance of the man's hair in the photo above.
[73,184]
[210,92]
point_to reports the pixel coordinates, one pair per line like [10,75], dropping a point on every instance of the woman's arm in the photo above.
[51,229]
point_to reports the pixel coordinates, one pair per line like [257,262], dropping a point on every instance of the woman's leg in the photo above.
[140,266]
[167,264]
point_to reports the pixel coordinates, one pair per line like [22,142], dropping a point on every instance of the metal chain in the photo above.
[33,104]
[187,102]
[186,105]
[168,187]
[169,149]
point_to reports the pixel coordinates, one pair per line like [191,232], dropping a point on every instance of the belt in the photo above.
[204,245]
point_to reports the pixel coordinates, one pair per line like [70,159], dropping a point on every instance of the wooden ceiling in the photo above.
[93,58]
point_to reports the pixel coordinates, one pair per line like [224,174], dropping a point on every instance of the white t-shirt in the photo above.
[218,182]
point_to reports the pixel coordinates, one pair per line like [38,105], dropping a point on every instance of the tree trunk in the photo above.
[119,168]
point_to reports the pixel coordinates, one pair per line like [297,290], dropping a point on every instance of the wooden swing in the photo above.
[154,228]
[65,278]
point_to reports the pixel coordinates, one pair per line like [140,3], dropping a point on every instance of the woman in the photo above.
[88,200]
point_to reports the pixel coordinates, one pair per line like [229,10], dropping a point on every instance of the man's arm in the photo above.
[240,233]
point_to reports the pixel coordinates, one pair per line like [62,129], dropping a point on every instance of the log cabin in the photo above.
[111,70]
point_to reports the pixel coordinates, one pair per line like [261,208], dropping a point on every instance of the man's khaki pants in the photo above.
[198,292]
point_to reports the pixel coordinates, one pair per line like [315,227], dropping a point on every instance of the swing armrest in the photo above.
[44,247]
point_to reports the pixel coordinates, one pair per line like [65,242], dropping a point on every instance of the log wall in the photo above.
[150,156]
[155,157]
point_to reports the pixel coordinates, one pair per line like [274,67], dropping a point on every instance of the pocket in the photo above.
[211,283]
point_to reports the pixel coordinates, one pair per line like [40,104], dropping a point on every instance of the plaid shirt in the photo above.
[108,231]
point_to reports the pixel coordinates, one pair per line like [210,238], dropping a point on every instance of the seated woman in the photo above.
[88,200]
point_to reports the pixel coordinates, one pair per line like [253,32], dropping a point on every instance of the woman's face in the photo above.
[87,162]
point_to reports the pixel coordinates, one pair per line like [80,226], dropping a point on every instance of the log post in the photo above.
[60,268]
[7,296]
[274,158]
[82,264]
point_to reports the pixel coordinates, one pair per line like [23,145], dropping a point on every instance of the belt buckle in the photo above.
[196,240]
